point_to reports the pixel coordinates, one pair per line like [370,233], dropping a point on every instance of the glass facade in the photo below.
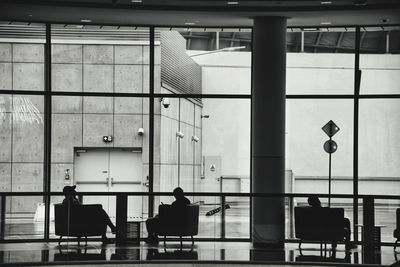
[110,111]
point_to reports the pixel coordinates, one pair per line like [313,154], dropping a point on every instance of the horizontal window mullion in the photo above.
[203,96]
[105,94]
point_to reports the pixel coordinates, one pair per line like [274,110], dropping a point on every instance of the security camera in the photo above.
[140,132]
[180,134]
[195,139]
[165,102]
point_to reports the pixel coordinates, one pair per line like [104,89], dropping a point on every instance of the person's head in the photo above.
[69,191]
[178,192]
[313,201]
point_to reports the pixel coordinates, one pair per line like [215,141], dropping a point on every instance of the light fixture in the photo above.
[136,1]
[326,23]
[232,3]
[190,23]
[326,2]
[310,29]
[180,134]
[86,20]
[107,138]
[165,102]
[140,132]
[66,174]
[195,139]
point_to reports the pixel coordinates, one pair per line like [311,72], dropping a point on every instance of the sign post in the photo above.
[330,147]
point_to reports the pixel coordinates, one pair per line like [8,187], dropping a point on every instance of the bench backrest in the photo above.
[319,224]
[183,221]
[84,220]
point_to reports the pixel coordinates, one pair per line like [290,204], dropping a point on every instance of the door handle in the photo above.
[92,182]
[123,182]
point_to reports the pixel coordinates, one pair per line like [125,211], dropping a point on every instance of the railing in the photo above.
[225,227]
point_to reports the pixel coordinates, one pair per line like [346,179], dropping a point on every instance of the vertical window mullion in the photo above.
[151,122]
[357,80]
[47,132]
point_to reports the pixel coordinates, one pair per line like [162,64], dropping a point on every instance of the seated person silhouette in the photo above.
[314,202]
[152,224]
[71,199]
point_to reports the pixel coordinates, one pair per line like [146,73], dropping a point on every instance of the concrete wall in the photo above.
[21,142]
[76,121]
[379,160]
[180,158]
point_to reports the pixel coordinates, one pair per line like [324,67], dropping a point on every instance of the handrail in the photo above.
[210,194]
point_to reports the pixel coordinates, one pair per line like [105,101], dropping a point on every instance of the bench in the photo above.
[80,221]
[319,224]
[178,222]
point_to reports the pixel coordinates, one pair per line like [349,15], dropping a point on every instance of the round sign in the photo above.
[330,146]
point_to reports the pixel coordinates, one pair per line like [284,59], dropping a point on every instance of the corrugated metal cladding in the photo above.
[178,70]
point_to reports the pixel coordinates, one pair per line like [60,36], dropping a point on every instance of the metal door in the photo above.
[91,169]
[126,176]
[110,170]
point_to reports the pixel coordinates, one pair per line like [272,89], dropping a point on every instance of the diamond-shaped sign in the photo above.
[330,128]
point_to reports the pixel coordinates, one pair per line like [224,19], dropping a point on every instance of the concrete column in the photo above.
[268,130]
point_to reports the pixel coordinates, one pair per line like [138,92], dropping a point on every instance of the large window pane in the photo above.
[81,155]
[306,160]
[205,62]
[380,62]
[379,160]
[21,167]
[22,56]
[316,71]
[201,147]
[100,59]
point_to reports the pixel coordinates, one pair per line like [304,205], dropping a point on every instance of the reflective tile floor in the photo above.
[201,251]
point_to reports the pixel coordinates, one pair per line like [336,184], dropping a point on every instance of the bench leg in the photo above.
[59,241]
[180,238]
[85,240]
[79,241]
[395,244]
[300,245]
[165,240]
[192,240]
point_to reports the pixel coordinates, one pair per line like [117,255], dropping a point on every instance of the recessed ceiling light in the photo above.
[310,29]
[190,23]
[232,3]
[30,15]
[326,2]
[86,20]
[136,1]
[326,23]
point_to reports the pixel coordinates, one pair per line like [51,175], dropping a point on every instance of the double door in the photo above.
[110,170]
